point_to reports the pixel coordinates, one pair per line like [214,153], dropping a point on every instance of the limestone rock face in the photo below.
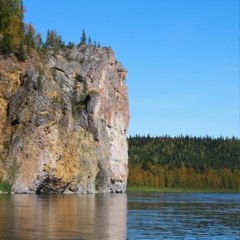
[63,122]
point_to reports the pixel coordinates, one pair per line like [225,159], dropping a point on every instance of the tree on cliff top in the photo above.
[83,38]
[15,36]
[11,25]
[19,38]
[53,39]
[30,33]
[89,41]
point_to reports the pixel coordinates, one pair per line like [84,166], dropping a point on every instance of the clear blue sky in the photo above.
[182,57]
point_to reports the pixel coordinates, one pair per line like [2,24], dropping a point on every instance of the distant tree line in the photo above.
[20,38]
[194,162]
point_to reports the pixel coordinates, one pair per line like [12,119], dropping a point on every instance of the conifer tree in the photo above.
[38,40]
[89,41]
[83,38]
[30,34]
[11,25]
[22,54]
[71,44]
[6,43]
[53,39]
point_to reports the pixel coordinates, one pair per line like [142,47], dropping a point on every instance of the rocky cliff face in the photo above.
[63,122]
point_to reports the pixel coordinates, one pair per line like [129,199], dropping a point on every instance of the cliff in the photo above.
[63,122]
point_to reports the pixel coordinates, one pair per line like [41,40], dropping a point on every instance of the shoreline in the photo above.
[180,190]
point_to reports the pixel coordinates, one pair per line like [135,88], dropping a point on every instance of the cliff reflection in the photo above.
[102,216]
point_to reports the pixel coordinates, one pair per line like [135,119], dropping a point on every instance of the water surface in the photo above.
[101,216]
[121,216]
[183,216]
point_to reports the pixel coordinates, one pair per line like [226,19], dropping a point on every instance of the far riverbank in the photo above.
[192,190]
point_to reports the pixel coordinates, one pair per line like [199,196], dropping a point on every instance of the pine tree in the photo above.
[47,43]
[11,25]
[83,38]
[89,41]
[53,39]
[6,44]
[38,40]
[22,55]
[71,44]
[30,36]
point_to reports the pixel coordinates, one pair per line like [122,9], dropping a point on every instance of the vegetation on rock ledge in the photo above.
[6,185]
[20,38]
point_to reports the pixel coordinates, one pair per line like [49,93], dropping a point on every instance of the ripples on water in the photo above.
[121,216]
[183,216]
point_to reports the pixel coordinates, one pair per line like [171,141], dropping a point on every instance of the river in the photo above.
[121,216]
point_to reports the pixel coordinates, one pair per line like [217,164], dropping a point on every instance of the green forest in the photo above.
[184,161]
[21,39]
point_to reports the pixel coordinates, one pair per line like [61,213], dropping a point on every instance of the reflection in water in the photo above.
[121,216]
[101,216]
